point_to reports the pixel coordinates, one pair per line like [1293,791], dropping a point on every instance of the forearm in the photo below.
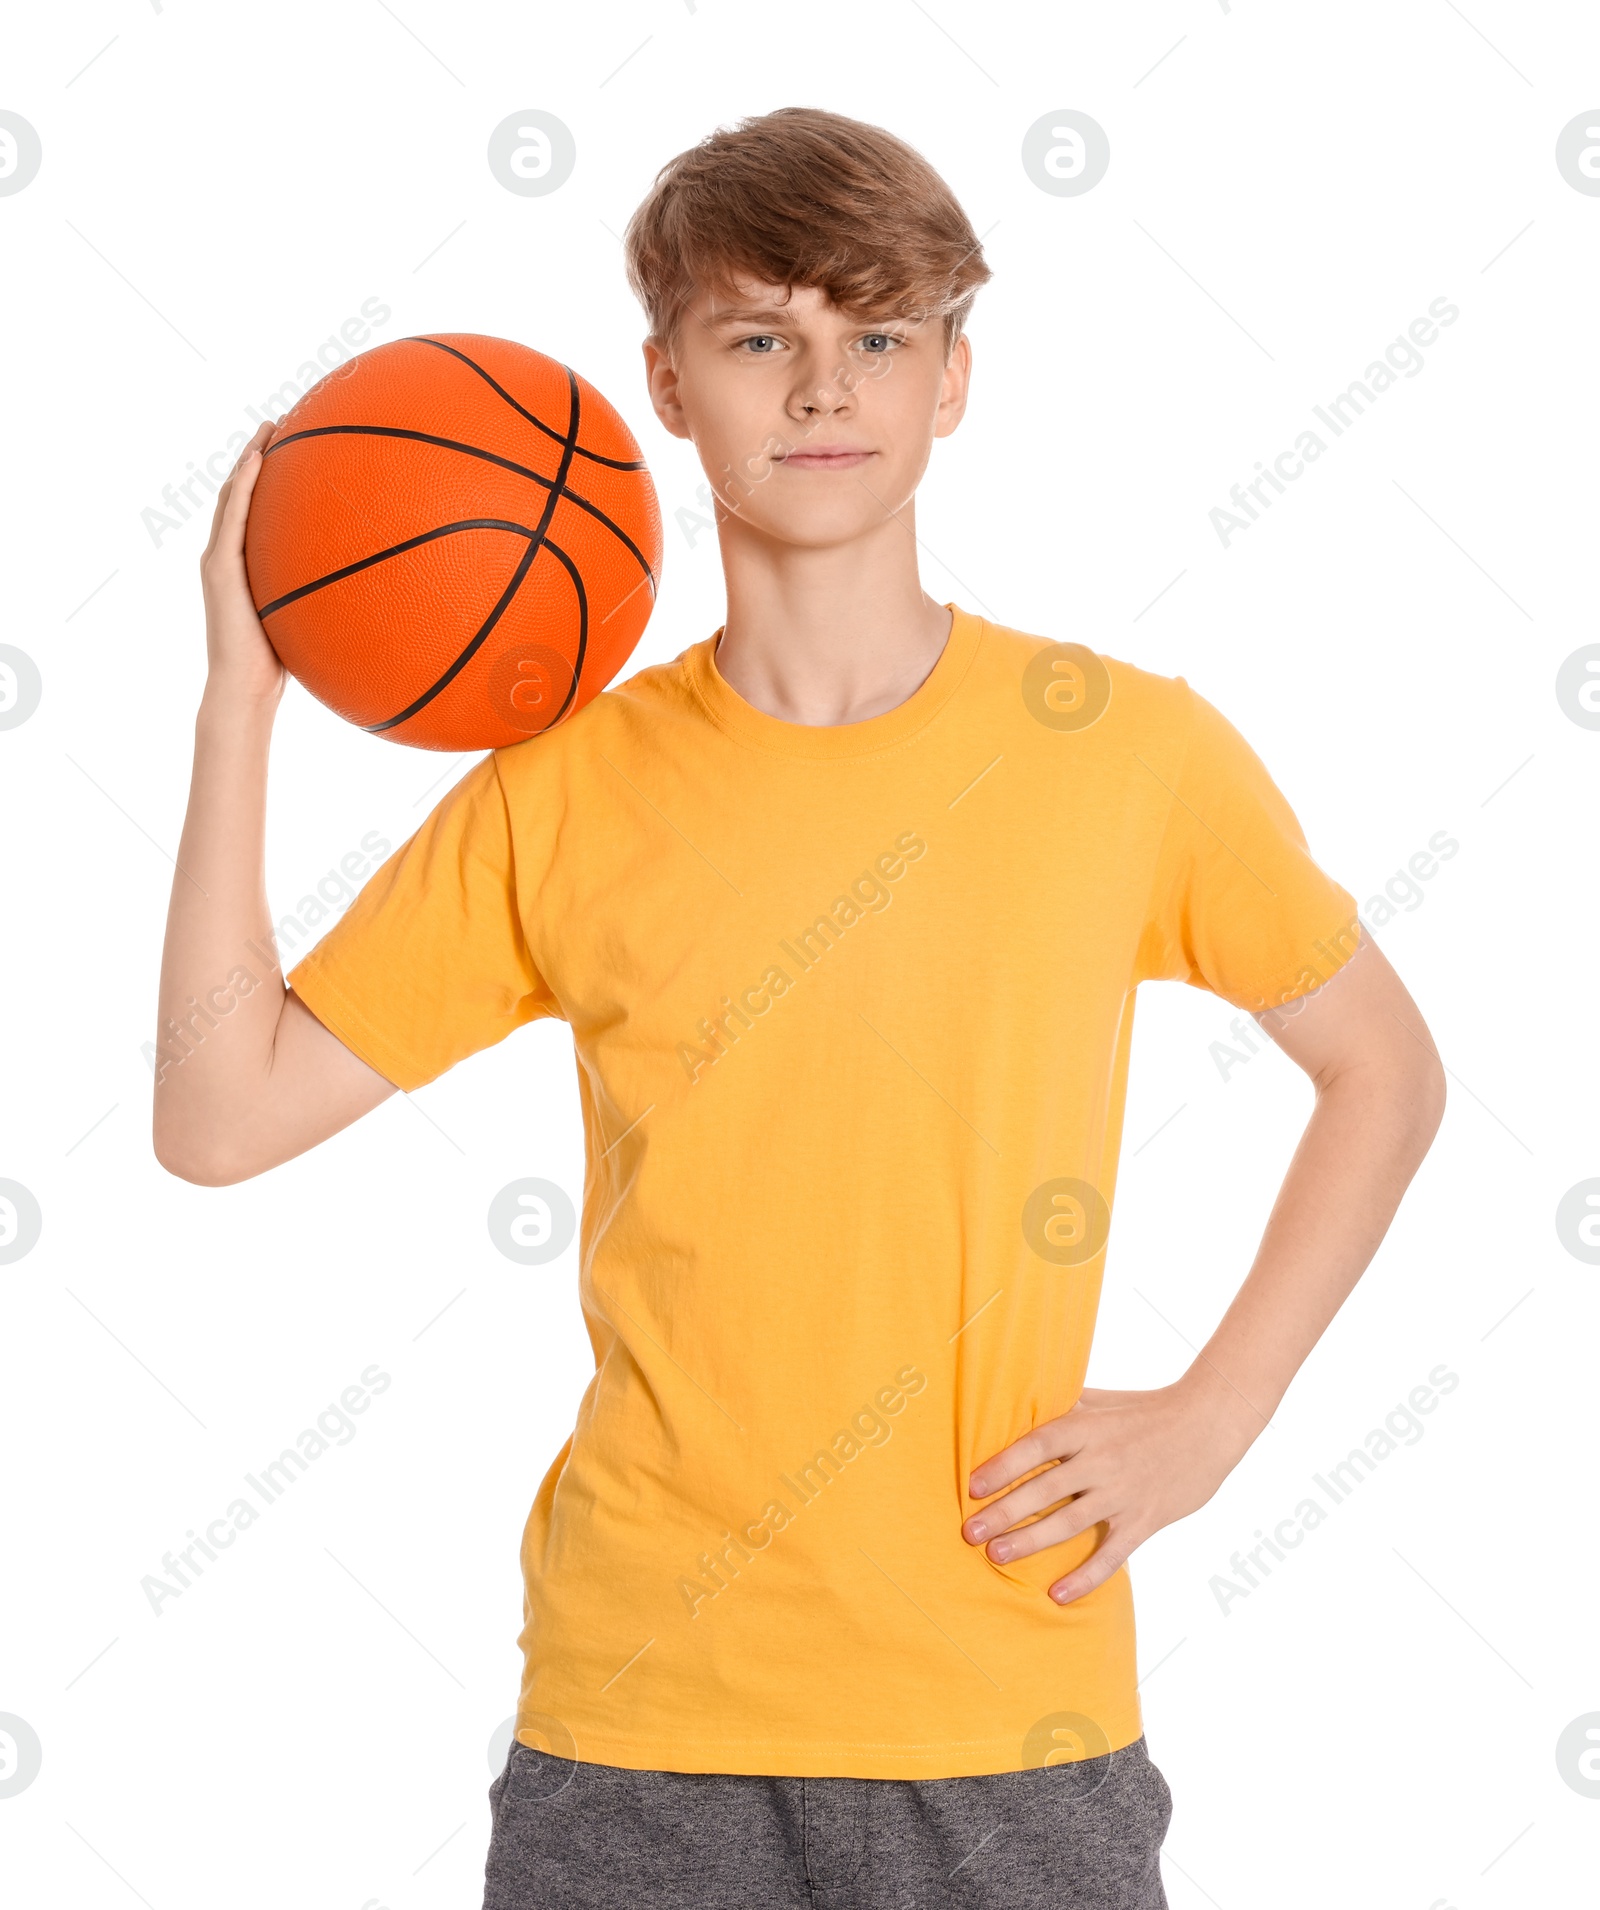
[246,1076]
[221,993]
[1135,1461]
[1370,1128]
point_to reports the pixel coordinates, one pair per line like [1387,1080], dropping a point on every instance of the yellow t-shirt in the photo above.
[852,1008]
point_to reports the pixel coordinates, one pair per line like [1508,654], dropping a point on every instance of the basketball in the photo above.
[453,542]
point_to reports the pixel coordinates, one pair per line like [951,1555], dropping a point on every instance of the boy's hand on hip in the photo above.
[1132,1462]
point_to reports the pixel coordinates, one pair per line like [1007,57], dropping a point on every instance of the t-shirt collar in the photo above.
[743,721]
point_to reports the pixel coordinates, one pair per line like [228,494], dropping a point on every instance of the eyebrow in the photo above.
[780,315]
[751,314]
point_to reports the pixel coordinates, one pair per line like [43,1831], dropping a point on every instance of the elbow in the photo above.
[1423,1096]
[1400,1090]
[197,1159]
[197,1168]
[1429,1083]
[1436,1094]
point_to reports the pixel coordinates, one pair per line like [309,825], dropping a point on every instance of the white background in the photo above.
[1289,188]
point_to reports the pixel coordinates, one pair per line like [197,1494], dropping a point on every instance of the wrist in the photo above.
[1230,1412]
[233,704]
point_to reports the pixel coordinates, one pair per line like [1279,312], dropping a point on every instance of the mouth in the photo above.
[824,457]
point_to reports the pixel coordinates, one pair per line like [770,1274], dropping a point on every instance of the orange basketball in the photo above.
[453,541]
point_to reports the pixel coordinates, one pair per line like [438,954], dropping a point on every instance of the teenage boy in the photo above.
[826,1596]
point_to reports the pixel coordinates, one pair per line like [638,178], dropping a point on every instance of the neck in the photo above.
[826,636]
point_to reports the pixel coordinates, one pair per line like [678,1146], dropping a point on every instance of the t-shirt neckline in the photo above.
[742,720]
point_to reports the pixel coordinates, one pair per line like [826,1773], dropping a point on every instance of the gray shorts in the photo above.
[575,1836]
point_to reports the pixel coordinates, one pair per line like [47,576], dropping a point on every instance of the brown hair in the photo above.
[803,197]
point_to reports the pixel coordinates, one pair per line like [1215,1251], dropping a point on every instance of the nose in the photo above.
[811,402]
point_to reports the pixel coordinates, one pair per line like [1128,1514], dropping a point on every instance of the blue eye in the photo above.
[762,343]
[877,343]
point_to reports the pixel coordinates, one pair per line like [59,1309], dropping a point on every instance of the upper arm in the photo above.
[427,965]
[1362,1017]
[263,1107]
[1238,904]
[309,1086]
[314,1066]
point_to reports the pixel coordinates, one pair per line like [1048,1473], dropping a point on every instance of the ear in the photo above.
[953,391]
[661,377]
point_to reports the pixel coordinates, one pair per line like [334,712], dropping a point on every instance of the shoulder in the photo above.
[1070,685]
[617,721]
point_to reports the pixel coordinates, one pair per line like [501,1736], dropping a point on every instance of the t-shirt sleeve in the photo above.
[1238,905]
[431,962]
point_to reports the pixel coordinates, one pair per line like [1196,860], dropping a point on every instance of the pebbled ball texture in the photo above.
[454,541]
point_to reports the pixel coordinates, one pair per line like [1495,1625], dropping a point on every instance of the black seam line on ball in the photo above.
[594,457]
[471,451]
[394,550]
[573,572]
[535,540]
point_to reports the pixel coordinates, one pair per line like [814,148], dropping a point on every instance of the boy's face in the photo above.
[812,425]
